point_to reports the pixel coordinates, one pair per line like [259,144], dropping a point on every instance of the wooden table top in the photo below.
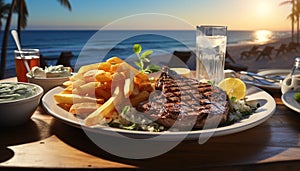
[45,142]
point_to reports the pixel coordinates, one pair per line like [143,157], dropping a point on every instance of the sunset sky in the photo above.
[94,14]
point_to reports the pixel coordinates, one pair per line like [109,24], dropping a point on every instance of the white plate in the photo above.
[266,110]
[290,102]
[270,72]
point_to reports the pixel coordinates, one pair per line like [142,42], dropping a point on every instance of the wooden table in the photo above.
[45,142]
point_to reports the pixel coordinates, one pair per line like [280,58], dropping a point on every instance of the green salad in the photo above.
[239,109]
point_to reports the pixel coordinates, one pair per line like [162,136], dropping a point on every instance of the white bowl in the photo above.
[19,111]
[47,83]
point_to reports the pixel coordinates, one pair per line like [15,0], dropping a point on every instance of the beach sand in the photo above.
[282,61]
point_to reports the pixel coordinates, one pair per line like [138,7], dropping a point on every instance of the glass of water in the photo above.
[210,51]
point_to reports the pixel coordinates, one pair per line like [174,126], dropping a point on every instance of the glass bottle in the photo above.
[296,67]
[292,80]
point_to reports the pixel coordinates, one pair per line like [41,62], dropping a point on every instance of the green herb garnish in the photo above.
[144,57]
[211,82]
[297,97]
[233,98]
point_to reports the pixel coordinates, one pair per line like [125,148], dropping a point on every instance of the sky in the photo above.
[96,14]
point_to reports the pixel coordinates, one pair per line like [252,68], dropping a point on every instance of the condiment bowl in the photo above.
[47,83]
[18,111]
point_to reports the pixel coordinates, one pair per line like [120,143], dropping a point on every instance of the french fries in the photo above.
[71,98]
[88,94]
[103,111]
[86,68]
[83,109]
[103,76]
[128,87]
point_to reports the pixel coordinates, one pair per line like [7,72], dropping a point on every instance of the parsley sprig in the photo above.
[144,57]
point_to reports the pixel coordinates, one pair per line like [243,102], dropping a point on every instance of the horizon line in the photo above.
[92,29]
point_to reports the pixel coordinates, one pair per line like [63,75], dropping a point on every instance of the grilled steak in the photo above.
[186,102]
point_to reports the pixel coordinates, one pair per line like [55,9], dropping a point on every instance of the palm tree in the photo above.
[5,39]
[4,9]
[297,19]
[292,14]
[22,22]
[21,9]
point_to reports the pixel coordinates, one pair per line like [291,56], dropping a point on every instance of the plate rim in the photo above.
[190,135]
[272,71]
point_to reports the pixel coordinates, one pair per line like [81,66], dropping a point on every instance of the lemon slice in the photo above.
[234,87]
[182,71]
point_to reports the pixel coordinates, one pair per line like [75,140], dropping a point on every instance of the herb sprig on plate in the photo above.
[144,57]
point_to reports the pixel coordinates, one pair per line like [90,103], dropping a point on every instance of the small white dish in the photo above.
[47,83]
[289,101]
[18,111]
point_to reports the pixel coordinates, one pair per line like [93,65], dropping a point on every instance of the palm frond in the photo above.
[286,2]
[66,4]
[292,16]
[4,8]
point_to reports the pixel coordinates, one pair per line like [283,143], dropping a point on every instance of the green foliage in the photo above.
[137,48]
[211,82]
[144,57]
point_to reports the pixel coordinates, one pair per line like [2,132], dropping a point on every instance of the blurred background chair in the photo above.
[43,62]
[266,52]
[184,56]
[252,52]
[65,59]
[231,64]
[292,46]
[282,49]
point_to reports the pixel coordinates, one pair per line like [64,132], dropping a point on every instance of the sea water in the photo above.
[210,58]
[52,42]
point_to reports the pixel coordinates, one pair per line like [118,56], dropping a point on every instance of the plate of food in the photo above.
[113,97]
[291,99]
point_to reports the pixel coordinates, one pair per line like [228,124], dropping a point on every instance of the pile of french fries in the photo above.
[95,91]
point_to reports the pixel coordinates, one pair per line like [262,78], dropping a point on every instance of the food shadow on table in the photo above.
[31,131]
[245,149]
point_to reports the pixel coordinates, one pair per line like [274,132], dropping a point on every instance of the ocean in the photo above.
[89,46]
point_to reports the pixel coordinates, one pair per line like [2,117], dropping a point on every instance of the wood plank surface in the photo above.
[45,142]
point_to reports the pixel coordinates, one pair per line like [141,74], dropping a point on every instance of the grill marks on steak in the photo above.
[185,100]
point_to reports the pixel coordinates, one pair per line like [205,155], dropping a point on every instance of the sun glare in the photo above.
[263,36]
[263,9]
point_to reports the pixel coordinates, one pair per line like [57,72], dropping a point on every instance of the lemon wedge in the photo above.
[182,71]
[234,87]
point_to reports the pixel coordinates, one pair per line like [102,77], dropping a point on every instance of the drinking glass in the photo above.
[32,56]
[210,52]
